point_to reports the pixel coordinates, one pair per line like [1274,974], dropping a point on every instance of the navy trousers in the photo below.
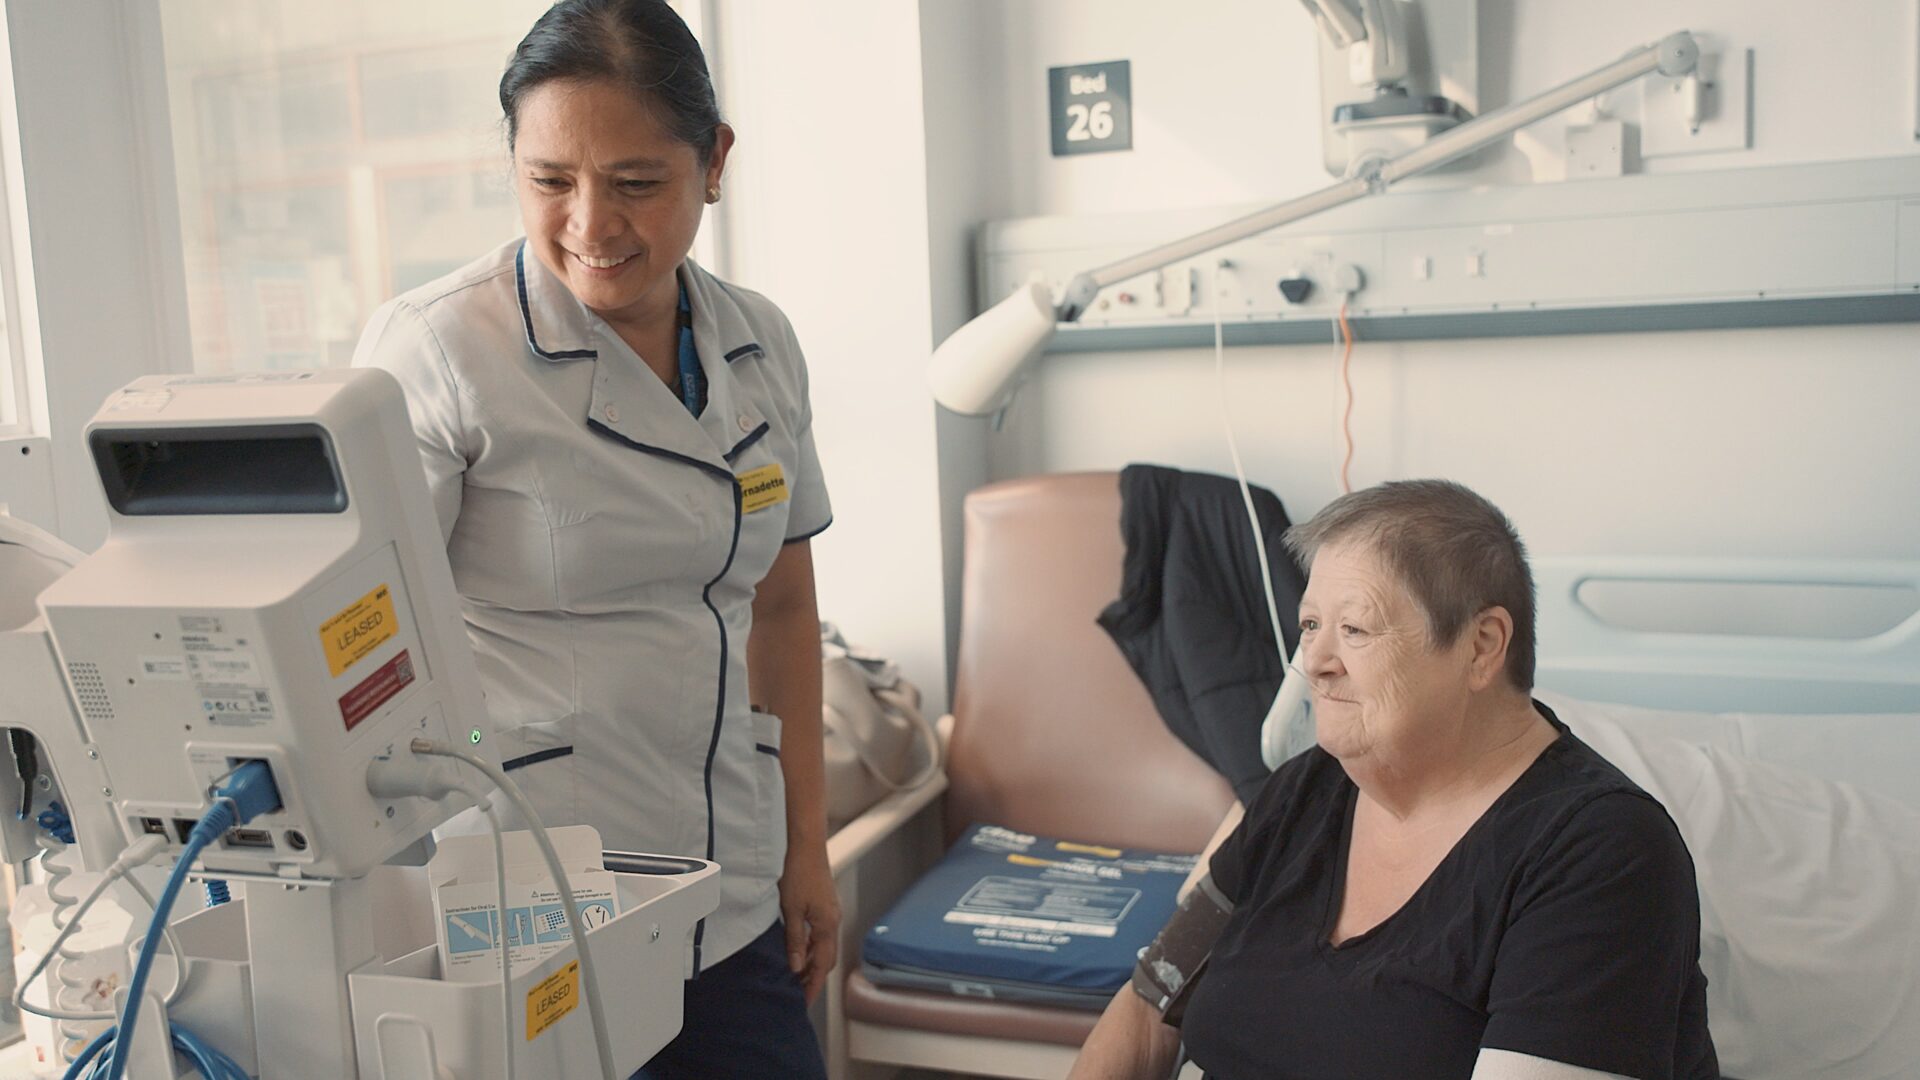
[746,1017]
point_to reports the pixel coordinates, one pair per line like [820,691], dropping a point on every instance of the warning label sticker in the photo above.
[376,689]
[363,626]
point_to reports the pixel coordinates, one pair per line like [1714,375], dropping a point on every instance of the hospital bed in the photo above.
[1773,706]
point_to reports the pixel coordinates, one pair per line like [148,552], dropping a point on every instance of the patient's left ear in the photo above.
[1491,632]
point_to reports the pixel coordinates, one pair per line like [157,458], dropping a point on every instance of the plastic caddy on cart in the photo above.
[408,1021]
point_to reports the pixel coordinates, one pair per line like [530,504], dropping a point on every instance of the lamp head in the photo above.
[975,371]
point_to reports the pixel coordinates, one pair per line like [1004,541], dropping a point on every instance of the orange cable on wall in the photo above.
[1346,381]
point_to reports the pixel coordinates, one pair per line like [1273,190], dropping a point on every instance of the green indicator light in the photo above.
[475,736]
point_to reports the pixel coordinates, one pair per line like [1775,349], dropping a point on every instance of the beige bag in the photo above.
[876,741]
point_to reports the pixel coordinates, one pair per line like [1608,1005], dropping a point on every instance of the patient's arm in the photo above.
[1135,1039]
[1226,826]
[1130,1042]
[1507,1065]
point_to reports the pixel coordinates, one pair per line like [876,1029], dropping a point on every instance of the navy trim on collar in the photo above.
[526,315]
[751,347]
[663,452]
[752,437]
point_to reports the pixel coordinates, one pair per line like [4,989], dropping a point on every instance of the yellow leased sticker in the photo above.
[360,628]
[554,997]
[762,487]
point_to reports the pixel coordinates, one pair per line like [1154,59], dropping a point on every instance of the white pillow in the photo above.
[1875,752]
[1809,897]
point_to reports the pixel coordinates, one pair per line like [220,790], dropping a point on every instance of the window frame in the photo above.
[17,412]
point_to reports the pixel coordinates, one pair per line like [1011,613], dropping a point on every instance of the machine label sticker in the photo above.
[762,487]
[200,624]
[1093,910]
[220,666]
[141,400]
[376,689]
[227,679]
[552,998]
[363,626]
[164,668]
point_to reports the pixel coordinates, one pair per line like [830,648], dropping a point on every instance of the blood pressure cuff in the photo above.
[1168,970]
[1018,917]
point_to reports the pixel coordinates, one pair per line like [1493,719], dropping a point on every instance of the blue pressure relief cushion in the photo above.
[1017,917]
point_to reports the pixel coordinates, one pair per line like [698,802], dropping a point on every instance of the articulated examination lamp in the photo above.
[976,370]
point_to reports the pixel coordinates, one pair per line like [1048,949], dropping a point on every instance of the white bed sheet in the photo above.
[1810,887]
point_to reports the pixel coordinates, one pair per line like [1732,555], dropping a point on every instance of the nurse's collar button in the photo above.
[746,422]
[612,413]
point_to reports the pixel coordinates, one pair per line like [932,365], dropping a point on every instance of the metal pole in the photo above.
[1675,54]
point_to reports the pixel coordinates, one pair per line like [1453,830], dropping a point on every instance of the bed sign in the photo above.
[1090,107]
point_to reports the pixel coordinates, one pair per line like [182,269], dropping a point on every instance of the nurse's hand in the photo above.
[811,908]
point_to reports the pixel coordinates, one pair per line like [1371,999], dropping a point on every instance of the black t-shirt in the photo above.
[1565,925]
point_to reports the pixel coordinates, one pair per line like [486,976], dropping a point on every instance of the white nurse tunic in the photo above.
[607,544]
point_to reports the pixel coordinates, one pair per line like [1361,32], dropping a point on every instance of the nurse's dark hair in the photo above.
[1453,550]
[642,45]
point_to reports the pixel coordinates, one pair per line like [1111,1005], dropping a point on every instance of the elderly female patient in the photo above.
[1450,884]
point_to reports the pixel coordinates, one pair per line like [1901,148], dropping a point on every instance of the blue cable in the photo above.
[214,825]
[217,892]
[54,819]
[78,1070]
[248,793]
[213,1064]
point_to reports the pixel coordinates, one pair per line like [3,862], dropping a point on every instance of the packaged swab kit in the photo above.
[466,905]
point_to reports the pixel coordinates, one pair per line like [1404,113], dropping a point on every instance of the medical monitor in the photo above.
[274,586]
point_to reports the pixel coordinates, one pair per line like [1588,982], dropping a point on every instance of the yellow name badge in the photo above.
[362,627]
[762,487]
[554,997]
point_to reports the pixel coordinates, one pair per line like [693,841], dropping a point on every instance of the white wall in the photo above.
[828,215]
[963,190]
[877,137]
[1792,441]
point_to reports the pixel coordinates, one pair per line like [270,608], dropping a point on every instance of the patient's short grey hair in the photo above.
[1453,550]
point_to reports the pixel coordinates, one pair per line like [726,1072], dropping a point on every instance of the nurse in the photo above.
[619,446]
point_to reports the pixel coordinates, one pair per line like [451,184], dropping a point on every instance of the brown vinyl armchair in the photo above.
[1051,733]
